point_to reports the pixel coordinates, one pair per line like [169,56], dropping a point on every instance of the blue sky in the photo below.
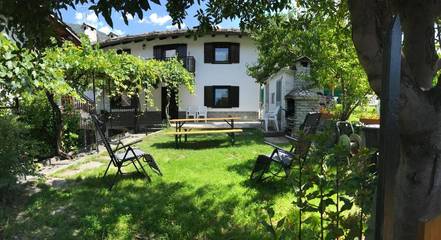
[157,19]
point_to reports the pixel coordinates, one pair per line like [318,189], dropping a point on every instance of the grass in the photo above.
[204,194]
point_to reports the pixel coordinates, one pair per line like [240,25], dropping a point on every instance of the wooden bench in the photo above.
[180,130]
[203,131]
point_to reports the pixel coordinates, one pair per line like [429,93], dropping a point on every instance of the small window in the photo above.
[221,55]
[126,50]
[123,102]
[272,97]
[221,52]
[170,53]
[221,97]
[278,92]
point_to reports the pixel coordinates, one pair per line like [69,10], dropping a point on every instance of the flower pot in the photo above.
[368,121]
[326,115]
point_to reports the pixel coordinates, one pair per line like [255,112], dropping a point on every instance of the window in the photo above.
[123,102]
[221,96]
[163,52]
[279,92]
[221,55]
[170,53]
[272,98]
[126,50]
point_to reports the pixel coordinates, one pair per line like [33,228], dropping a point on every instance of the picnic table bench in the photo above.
[180,130]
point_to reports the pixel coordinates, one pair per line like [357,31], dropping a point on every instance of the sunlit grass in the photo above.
[204,194]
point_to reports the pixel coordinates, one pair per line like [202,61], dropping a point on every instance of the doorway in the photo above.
[173,108]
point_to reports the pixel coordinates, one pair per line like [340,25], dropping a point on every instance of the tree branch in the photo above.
[370,20]
[419,41]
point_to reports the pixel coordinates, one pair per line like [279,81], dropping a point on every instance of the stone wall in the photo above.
[302,107]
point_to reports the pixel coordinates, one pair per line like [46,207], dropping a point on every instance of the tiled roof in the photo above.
[166,34]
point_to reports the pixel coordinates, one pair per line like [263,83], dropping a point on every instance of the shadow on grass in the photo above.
[269,188]
[85,209]
[200,142]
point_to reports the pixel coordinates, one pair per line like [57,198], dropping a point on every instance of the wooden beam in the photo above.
[389,134]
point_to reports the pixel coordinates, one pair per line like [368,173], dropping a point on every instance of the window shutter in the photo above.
[208,96]
[234,96]
[181,49]
[235,53]
[208,53]
[157,52]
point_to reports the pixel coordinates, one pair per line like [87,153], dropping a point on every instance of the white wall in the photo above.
[91,33]
[208,74]
[286,76]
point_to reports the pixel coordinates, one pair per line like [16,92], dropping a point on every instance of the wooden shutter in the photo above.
[157,52]
[208,96]
[235,53]
[208,53]
[234,96]
[181,50]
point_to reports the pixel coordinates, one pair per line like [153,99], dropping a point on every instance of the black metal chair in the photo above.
[284,159]
[128,156]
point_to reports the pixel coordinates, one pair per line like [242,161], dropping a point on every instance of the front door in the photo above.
[173,108]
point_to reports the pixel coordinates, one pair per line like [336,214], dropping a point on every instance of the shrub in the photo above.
[17,151]
[36,113]
[71,129]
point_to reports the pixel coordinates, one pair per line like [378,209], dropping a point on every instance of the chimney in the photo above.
[90,32]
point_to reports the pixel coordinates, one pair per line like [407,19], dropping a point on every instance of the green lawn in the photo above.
[204,194]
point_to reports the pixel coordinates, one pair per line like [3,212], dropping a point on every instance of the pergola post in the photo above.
[389,134]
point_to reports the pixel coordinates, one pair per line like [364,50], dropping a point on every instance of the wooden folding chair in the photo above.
[128,156]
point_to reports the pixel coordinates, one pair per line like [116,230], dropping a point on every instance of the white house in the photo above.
[219,62]
[290,96]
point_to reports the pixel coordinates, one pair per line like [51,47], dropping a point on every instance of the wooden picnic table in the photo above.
[181,130]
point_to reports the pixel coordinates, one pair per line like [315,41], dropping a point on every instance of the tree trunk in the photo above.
[418,179]
[58,125]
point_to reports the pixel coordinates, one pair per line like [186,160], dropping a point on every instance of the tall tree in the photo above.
[324,39]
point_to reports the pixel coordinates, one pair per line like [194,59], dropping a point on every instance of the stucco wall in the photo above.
[208,74]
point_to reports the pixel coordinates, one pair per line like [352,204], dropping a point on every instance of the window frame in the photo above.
[227,104]
[222,46]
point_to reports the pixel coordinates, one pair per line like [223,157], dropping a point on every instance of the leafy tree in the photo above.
[69,70]
[335,63]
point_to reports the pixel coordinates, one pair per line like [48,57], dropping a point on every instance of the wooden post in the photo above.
[389,134]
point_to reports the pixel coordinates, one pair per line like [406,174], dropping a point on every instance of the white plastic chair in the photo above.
[202,112]
[271,116]
[191,112]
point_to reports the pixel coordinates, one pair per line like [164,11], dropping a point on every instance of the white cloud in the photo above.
[107,29]
[173,27]
[155,19]
[128,16]
[118,31]
[144,20]
[78,16]
[89,18]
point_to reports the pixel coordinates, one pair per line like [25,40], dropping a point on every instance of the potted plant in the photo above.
[370,117]
[326,114]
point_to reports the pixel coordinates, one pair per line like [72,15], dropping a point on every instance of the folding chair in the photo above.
[284,159]
[126,157]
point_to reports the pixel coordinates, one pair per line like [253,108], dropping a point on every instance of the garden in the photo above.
[206,191]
